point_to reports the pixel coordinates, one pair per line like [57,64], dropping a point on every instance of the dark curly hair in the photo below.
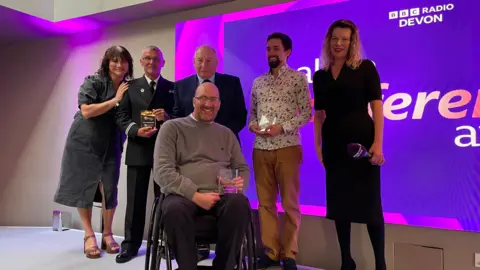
[114,53]
[284,38]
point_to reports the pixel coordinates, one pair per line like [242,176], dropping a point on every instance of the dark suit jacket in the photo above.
[138,98]
[232,113]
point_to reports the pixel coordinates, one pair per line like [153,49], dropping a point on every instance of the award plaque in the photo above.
[226,182]
[265,122]
[147,119]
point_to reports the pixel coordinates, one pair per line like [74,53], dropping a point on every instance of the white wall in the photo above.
[39,8]
[67,9]
[58,10]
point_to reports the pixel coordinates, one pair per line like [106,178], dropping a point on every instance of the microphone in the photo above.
[358,151]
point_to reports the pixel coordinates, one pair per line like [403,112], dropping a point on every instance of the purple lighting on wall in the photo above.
[64,27]
[436,188]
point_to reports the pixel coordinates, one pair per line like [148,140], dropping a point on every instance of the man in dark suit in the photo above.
[152,93]
[232,113]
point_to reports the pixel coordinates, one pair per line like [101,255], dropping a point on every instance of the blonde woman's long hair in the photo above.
[354,54]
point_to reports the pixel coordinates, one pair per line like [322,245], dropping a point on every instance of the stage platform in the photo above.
[41,248]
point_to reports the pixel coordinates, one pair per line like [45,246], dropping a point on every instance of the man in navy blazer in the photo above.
[149,92]
[233,112]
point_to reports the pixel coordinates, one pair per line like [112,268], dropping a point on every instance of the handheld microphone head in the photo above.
[358,151]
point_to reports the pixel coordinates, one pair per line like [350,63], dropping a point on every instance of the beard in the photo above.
[273,62]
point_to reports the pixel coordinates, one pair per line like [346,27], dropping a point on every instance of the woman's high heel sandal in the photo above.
[111,248]
[91,252]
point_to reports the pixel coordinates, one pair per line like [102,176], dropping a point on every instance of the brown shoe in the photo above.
[91,252]
[112,247]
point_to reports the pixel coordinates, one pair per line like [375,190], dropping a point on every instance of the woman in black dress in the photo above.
[343,89]
[92,154]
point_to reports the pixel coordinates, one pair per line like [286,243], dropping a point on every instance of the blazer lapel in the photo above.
[192,88]
[219,83]
[145,91]
[193,85]
[159,95]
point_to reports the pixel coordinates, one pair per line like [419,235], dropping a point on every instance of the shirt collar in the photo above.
[212,79]
[281,71]
[193,117]
[156,80]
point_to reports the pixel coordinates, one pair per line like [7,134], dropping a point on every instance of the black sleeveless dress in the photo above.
[353,186]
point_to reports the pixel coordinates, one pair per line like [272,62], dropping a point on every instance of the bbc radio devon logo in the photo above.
[420,15]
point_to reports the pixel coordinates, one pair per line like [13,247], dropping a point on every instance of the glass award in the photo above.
[147,119]
[61,221]
[226,184]
[265,122]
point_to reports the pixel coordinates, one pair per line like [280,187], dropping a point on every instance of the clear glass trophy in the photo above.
[226,182]
[61,221]
[265,122]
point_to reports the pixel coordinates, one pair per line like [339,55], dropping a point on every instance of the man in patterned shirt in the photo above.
[280,106]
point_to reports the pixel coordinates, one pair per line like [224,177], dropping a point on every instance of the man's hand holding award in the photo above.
[267,127]
[148,124]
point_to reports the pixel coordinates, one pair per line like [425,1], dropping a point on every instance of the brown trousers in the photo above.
[278,170]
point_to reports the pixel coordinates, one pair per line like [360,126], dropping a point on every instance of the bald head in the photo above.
[209,89]
[205,61]
[206,102]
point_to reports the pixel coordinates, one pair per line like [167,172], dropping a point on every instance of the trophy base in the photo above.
[152,126]
[230,190]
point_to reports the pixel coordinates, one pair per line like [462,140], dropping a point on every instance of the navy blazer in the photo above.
[138,98]
[232,113]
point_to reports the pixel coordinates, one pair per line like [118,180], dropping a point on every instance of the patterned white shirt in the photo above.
[286,99]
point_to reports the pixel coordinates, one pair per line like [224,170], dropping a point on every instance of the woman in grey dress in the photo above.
[94,146]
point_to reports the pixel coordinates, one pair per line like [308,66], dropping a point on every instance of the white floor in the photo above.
[38,248]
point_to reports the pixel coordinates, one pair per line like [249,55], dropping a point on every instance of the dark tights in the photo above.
[377,237]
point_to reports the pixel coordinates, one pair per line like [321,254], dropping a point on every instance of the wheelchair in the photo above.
[158,247]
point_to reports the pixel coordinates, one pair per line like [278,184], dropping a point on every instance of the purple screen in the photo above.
[425,54]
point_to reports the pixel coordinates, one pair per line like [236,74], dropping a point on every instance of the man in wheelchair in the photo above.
[190,155]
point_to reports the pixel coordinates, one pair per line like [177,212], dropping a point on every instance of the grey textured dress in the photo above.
[92,151]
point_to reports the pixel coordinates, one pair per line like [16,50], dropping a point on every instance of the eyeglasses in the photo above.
[154,59]
[205,98]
